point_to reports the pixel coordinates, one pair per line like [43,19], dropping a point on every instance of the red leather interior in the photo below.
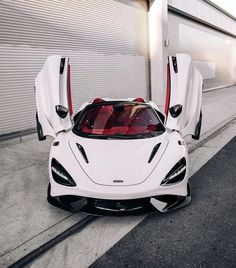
[127,119]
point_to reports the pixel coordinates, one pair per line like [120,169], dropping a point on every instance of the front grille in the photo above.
[104,206]
[121,205]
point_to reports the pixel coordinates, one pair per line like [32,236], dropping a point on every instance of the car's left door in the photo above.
[53,97]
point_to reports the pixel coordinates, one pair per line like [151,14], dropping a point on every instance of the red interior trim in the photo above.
[69,92]
[167,103]
[125,130]
[139,99]
[98,100]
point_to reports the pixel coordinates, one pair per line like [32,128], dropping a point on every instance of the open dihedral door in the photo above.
[53,97]
[183,96]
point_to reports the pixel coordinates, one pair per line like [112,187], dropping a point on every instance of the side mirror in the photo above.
[175,110]
[62,111]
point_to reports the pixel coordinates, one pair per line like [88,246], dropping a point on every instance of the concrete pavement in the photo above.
[200,235]
[27,220]
[83,249]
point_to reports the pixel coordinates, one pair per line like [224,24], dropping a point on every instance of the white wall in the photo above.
[213,51]
[158,33]
[206,12]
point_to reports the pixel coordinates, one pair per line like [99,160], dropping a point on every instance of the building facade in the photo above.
[110,47]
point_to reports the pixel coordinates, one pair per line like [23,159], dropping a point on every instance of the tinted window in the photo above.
[119,120]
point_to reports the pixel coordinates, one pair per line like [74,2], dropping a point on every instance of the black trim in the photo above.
[61,111]
[178,178]
[168,81]
[41,137]
[59,179]
[197,134]
[154,151]
[174,62]
[55,143]
[181,142]
[82,151]
[62,65]
[161,116]
[174,202]
[138,206]
[103,207]
[176,110]
[76,116]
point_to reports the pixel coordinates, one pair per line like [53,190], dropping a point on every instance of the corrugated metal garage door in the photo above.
[106,41]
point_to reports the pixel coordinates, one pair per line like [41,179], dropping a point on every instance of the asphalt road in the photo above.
[203,234]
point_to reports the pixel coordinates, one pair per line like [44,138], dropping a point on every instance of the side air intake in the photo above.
[82,151]
[153,153]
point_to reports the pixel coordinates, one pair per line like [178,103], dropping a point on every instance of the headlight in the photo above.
[60,175]
[176,174]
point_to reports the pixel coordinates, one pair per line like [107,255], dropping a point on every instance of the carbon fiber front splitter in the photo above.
[163,203]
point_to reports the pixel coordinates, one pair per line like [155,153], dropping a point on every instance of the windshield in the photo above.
[125,120]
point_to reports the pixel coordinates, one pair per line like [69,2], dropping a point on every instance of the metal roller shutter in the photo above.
[106,41]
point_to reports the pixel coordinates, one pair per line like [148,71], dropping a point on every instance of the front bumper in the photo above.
[162,203]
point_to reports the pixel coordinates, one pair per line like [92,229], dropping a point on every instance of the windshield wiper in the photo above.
[98,136]
[118,136]
[126,137]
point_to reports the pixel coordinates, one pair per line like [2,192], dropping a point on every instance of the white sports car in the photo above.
[120,155]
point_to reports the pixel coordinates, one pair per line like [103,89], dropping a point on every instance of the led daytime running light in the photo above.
[59,173]
[176,173]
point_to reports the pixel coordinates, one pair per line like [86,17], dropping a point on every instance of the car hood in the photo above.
[117,162]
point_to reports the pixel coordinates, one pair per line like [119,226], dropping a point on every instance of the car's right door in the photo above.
[183,96]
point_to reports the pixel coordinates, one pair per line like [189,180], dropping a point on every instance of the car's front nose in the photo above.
[88,190]
[163,203]
[118,162]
